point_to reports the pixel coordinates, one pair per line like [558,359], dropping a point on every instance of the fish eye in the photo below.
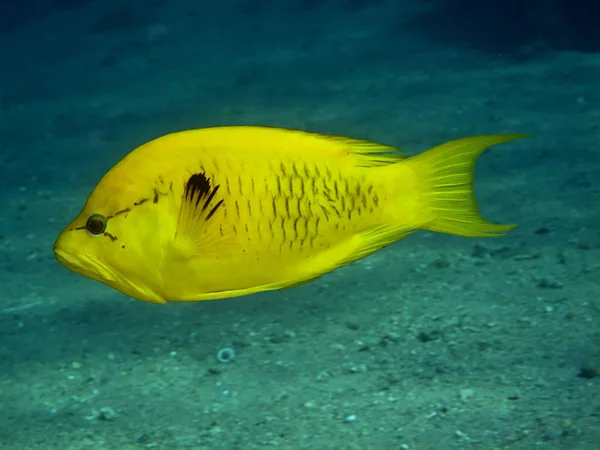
[96,224]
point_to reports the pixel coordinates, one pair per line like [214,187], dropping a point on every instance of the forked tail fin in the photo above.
[446,172]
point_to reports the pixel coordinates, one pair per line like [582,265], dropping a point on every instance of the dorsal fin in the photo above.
[367,153]
[237,138]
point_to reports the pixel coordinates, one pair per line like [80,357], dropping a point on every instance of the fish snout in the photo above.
[84,264]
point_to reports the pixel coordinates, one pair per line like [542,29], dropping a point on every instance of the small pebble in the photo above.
[351,418]
[546,283]
[466,394]
[107,413]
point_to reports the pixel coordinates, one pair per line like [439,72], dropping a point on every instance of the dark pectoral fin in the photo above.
[200,228]
[199,194]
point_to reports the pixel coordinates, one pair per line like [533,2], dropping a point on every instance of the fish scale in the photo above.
[303,200]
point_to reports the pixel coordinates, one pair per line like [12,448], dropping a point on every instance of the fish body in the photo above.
[228,211]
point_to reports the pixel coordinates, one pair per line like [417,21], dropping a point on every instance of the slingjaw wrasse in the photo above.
[229,211]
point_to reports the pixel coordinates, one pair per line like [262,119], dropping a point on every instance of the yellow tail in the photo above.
[446,174]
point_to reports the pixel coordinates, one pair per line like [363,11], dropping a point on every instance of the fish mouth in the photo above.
[63,257]
[86,265]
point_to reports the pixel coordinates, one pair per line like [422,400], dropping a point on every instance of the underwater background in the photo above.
[436,342]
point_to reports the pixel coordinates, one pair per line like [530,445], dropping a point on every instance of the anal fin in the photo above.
[375,239]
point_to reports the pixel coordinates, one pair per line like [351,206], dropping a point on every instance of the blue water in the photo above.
[437,342]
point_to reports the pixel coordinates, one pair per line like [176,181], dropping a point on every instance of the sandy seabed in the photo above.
[437,342]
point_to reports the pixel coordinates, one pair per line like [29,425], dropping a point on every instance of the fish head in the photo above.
[118,239]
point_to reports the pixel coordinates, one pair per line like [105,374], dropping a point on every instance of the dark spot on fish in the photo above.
[214,209]
[287,206]
[363,200]
[249,208]
[237,209]
[270,222]
[376,200]
[141,202]
[305,169]
[123,246]
[301,193]
[328,174]
[110,236]
[246,227]
[295,170]
[234,230]
[337,212]
[316,232]
[306,232]
[240,186]
[227,187]
[283,230]
[123,211]
[155,200]
[252,187]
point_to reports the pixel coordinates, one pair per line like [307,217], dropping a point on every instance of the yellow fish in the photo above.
[228,211]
